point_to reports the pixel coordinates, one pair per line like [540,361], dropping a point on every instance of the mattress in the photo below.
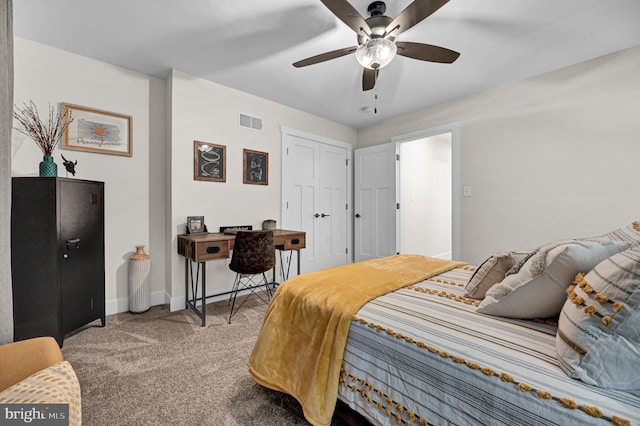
[421,355]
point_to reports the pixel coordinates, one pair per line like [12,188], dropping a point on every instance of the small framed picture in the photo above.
[255,167]
[209,162]
[195,225]
[94,130]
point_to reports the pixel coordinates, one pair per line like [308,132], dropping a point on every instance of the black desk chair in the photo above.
[253,255]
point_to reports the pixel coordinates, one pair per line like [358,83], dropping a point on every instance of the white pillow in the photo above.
[598,339]
[492,271]
[538,288]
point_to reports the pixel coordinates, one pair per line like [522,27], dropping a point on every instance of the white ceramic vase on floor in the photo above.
[139,291]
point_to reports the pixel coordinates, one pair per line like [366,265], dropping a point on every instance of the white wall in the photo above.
[550,157]
[206,111]
[132,199]
[149,195]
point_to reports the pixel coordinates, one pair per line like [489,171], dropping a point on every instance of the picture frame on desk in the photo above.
[209,162]
[255,167]
[195,225]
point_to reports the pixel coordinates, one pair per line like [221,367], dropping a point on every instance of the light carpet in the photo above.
[162,368]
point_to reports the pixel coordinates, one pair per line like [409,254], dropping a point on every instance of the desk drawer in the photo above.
[200,250]
[209,250]
[294,242]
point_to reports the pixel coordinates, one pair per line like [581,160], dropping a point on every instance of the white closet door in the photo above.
[314,183]
[332,222]
[375,202]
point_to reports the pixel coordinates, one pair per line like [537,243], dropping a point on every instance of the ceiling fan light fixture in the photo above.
[376,53]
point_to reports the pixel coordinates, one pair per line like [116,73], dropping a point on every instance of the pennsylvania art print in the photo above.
[98,131]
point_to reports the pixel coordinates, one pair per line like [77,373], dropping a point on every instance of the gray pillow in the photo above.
[538,290]
[492,271]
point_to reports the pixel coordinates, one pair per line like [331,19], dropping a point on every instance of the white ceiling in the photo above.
[250,45]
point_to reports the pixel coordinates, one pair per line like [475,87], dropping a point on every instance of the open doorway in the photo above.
[425,188]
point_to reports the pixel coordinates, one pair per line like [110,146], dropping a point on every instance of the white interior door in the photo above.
[332,222]
[301,182]
[315,182]
[375,202]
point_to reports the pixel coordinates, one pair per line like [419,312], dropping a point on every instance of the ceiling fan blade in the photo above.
[426,52]
[412,14]
[325,57]
[369,78]
[347,14]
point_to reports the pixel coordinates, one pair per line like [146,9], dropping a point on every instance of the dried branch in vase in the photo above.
[46,135]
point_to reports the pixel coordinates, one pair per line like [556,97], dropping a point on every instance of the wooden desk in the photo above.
[200,248]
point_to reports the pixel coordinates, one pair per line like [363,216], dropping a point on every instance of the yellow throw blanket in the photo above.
[301,343]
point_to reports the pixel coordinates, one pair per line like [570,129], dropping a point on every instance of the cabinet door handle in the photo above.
[357,214]
[73,244]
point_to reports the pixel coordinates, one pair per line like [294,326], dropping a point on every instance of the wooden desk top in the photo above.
[217,245]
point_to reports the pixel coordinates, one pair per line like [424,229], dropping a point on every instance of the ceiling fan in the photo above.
[376,37]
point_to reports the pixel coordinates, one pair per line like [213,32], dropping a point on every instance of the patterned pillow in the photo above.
[598,339]
[538,289]
[492,271]
[629,233]
[57,384]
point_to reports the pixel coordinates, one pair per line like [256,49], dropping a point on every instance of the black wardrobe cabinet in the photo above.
[57,255]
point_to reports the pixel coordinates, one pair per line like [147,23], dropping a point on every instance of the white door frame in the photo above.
[287,131]
[454,129]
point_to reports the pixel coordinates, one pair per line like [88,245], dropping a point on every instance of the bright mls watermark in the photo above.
[34,414]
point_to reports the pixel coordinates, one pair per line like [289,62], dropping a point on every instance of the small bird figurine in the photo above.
[69,165]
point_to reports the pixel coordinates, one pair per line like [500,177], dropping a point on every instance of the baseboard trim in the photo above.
[117,306]
[446,256]
[178,303]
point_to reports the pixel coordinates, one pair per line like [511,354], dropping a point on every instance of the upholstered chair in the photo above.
[253,255]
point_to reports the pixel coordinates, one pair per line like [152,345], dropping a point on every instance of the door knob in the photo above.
[325,215]
[316,215]
[357,214]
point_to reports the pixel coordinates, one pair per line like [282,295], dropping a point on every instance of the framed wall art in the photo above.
[255,167]
[209,162]
[94,130]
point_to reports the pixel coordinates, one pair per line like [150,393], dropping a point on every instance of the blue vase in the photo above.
[48,167]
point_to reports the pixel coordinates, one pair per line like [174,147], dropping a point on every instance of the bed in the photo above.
[433,350]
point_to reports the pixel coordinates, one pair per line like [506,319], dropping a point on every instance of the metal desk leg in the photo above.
[285,265]
[273,277]
[204,294]
[191,299]
[186,283]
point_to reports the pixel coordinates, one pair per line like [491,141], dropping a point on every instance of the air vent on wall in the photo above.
[249,122]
